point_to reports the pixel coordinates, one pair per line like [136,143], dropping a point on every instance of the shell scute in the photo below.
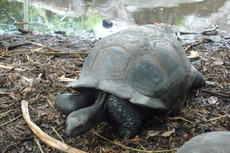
[143,64]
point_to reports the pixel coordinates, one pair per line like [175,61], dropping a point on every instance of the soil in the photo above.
[28,73]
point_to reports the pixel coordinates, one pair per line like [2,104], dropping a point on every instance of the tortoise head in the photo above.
[82,120]
[78,122]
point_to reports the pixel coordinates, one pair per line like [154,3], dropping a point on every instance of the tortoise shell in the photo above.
[144,64]
[210,142]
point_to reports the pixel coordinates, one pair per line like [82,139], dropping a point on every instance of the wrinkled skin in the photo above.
[81,121]
[127,117]
[88,114]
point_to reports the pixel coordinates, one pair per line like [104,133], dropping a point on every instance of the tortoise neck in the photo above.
[97,110]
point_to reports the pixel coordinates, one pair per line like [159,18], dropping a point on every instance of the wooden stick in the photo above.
[38,51]
[50,48]
[60,53]
[216,118]
[43,136]
[215,93]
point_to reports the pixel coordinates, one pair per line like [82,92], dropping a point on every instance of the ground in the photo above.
[38,74]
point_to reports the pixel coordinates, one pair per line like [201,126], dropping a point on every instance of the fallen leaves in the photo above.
[168,133]
[194,118]
[153,133]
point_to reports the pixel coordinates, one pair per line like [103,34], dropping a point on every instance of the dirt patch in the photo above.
[38,78]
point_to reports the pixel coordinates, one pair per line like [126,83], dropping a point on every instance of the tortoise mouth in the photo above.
[79,130]
[74,129]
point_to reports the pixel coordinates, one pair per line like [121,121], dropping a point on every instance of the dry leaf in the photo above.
[167,134]
[185,135]
[153,133]
[203,110]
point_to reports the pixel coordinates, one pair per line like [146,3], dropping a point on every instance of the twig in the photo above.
[43,136]
[193,56]
[8,112]
[50,48]
[60,53]
[5,93]
[138,150]
[210,83]
[195,44]
[225,92]
[53,53]
[11,68]
[11,133]
[212,31]
[58,134]
[50,103]
[38,143]
[11,144]
[10,120]
[40,52]
[215,93]
[177,118]
[18,45]
[216,118]
[16,51]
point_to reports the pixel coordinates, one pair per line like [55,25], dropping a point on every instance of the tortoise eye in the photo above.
[78,128]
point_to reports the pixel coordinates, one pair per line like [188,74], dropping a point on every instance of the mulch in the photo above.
[38,73]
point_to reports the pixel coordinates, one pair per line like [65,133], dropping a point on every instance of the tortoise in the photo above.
[130,75]
[210,142]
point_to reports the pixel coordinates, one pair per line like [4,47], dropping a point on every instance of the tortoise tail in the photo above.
[199,80]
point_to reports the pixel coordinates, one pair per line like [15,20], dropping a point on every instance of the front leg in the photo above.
[126,116]
[68,103]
